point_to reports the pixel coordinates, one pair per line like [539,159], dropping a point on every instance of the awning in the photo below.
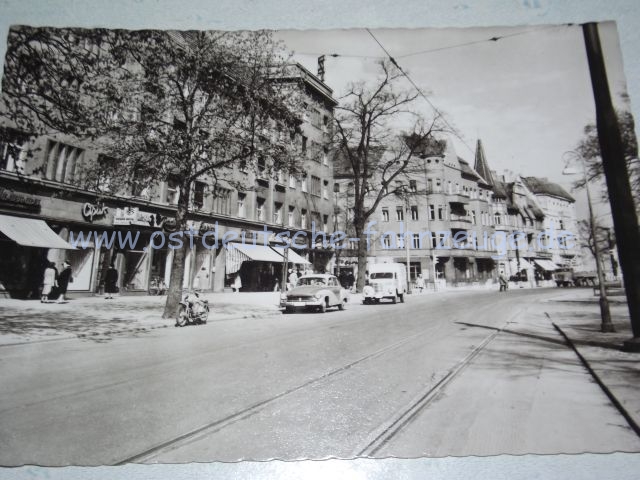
[293,256]
[547,265]
[524,265]
[30,232]
[257,253]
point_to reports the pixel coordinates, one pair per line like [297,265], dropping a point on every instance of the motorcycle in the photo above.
[193,310]
[157,286]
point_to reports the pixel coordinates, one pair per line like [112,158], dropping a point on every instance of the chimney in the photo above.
[321,68]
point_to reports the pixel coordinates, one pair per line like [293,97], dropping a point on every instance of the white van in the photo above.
[386,280]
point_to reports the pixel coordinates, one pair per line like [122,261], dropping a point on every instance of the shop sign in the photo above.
[134,216]
[19,200]
[90,211]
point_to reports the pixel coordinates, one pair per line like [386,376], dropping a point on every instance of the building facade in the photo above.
[41,195]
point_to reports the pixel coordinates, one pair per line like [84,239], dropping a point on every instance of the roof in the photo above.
[481,166]
[500,190]
[542,186]
[467,170]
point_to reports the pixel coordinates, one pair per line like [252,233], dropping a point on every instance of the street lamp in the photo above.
[433,253]
[605,314]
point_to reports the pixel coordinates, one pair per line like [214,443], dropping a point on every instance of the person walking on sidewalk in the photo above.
[63,281]
[420,282]
[48,282]
[504,283]
[111,282]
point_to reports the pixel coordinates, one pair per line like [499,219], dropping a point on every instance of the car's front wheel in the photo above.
[342,304]
[323,307]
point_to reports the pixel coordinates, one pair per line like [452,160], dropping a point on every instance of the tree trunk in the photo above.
[174,294]
[362,258]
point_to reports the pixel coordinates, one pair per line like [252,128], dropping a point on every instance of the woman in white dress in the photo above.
[48,282]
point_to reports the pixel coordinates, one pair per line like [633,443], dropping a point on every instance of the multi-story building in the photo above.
[444,209]
[43,205]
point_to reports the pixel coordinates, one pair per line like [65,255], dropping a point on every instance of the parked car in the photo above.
[386,280]
[317,291]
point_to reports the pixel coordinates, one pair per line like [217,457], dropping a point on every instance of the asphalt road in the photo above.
[297,386]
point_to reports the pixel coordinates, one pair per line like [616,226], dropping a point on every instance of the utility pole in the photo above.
[623,210]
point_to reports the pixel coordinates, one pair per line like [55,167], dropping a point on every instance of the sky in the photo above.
[527,96]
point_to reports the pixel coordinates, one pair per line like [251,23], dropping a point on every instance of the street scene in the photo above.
[295,245]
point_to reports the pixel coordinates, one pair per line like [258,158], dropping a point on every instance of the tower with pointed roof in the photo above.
[481,166]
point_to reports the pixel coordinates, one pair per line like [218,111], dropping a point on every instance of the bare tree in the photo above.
[379,135]
[589,149]
[160,105]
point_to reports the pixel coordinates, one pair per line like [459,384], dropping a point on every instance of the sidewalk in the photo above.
[527,392]
[577,314]
[98,319]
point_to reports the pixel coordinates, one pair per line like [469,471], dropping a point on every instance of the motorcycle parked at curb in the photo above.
[192,310]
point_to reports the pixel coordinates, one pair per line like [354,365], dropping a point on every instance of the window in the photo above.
[441,212]
[304,184]
[262,167]
[496,219]
[242,213]
[198,195]
[325,155]
[399,214]
[432,212]
[221,201]
[303,219]
[277,213]
[400,241]
[291,217]
[325,223]
[385,214]
[260,210]
[304,145]
[416,241]
[473,217]
[457,187]
[106,167]
[429,185]
[449,187]
[173,191]
[438,185]
[12,153]
[316,188]
[414,212]
[413,186]
[292,181]
[62,160]
[386,241]
[325,190]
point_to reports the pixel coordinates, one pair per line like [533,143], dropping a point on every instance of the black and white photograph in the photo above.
[365,243]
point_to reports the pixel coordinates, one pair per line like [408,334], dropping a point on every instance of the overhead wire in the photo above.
[421,93]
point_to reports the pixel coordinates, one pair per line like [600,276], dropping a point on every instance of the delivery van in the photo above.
[386,280]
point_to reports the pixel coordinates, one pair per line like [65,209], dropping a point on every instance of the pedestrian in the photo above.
[111,282]
[504,283]
[237,283]
[201,280]
[64,279]
[351,280]
[420,282]
[293,279]
[49,281]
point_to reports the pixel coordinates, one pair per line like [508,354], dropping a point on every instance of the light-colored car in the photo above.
[317,291]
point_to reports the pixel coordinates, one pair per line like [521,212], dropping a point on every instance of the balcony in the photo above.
[459,222]
[458,198]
